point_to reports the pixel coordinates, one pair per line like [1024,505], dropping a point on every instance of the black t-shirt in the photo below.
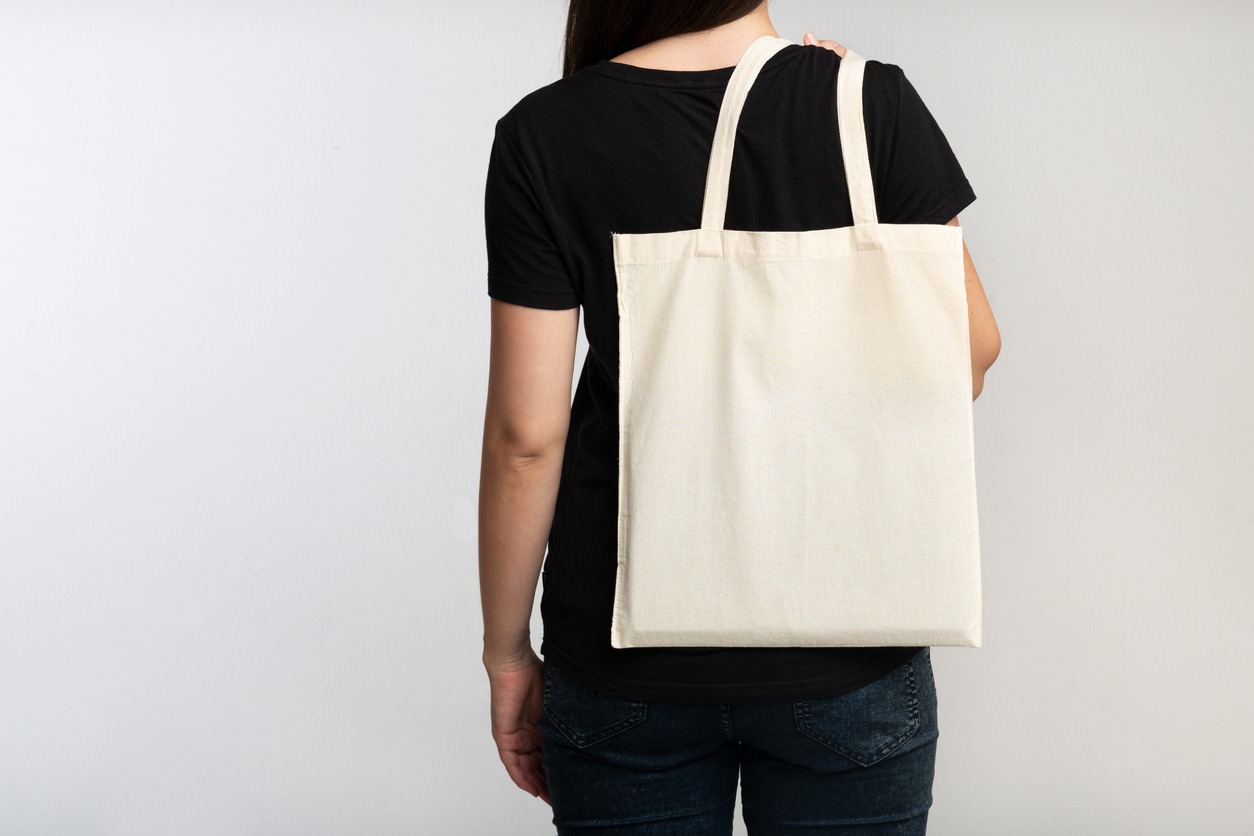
[616,148]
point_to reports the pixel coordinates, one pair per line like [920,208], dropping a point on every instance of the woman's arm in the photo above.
[531,359]
[985,338]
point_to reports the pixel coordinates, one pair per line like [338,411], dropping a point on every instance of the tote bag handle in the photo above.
[853,141]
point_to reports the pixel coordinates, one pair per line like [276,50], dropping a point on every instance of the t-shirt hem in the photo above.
[959,199]
[699,692]
[518,295]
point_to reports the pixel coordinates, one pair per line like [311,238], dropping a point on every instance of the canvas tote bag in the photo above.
[796,450]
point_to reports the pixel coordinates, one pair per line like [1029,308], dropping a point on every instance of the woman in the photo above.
[655,740]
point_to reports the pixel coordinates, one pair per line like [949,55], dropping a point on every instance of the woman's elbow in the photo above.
[982,358]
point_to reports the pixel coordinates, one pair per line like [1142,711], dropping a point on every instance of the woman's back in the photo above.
[617,148]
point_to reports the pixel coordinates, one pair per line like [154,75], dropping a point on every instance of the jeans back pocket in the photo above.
[585,715]
[869,723]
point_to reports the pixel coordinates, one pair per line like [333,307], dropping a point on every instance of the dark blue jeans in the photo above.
[859,763]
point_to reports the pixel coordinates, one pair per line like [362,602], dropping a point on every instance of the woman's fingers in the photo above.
[515,706]
[811,39]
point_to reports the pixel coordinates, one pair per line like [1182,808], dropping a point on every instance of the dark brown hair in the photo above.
[597,29]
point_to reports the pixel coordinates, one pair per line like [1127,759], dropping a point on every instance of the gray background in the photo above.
[243,349]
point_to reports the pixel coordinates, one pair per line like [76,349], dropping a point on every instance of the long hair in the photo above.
[597,29]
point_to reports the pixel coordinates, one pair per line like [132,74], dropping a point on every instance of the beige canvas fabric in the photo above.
[796,446]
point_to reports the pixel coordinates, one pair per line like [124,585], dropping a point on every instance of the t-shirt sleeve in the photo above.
[924,183]
[525,265]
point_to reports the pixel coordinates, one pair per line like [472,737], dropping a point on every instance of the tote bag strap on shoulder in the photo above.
[853,143]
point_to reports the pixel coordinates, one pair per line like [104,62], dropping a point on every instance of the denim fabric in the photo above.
[858,763]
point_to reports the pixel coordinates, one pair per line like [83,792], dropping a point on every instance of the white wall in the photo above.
[243,338]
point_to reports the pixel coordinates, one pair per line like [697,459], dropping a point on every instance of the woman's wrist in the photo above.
[508,653]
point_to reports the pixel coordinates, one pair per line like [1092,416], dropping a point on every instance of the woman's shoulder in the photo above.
[817,69]
[823,62]
[541,106]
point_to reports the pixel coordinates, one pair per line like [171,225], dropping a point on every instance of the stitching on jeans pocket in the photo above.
[584,715]
[869,723]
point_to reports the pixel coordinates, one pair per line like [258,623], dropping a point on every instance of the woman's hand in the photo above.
[811,40]
[517,686]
